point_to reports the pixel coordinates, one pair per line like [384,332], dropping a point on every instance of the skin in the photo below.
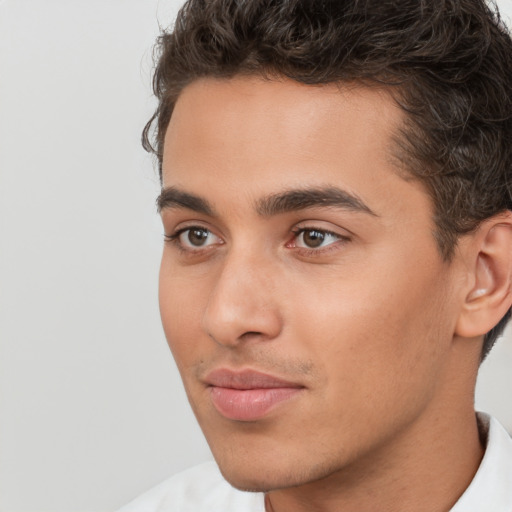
[365,323]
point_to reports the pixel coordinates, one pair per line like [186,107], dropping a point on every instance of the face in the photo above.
[301,289]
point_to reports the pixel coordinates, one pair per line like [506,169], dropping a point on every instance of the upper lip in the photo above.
[246,379]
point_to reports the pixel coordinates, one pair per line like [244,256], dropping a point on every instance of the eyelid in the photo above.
[340,239]
[300,231]
[341,236]
[176,227]
[175,238]
[323,226]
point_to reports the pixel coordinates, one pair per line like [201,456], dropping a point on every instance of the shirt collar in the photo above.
[491,488]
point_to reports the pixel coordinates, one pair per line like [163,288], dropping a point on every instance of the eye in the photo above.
[312,238]
[194,237]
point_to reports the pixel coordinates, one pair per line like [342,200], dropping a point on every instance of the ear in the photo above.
[489,295]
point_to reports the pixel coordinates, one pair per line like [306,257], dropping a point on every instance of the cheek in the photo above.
[181,305]
[384,324]
[379,356]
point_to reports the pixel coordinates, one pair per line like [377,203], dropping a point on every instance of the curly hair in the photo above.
[448,64]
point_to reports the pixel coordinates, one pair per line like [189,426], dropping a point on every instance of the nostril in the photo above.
[245,336]
[236,313]
[252,335]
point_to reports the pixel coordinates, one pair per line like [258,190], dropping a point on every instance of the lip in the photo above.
[248,395]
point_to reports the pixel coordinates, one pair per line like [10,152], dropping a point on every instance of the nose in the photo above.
[243,304]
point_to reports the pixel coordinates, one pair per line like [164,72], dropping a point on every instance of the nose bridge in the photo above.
[242,300]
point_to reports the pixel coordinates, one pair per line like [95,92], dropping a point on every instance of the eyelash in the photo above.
[305,251]
[174,239]
[341,239]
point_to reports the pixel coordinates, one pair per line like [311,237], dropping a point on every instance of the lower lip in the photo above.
[249,404]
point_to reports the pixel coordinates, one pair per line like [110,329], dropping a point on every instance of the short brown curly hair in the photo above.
[448,61]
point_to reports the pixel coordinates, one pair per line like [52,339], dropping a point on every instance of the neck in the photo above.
[425,468]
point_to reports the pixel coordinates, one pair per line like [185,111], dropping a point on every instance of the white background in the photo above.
[92,411]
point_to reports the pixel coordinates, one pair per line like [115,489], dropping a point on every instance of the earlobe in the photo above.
[490,296]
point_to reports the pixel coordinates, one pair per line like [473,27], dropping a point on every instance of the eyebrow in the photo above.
[275,204]
[301,199]
[171,198]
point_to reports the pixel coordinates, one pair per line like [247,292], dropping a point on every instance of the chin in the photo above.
[270,476]
[254,466]
[258,480]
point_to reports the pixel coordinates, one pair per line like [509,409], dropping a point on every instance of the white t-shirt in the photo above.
[203,489]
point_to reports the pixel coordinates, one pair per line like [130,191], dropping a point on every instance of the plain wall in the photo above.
[92,411]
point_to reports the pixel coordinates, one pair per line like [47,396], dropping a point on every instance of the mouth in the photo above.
[248,395]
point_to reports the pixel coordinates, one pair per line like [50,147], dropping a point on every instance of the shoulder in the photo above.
[198,489]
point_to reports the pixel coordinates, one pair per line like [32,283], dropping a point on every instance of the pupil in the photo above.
[313,238]
[197,236]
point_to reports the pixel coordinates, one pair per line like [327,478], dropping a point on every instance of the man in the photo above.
[338,258]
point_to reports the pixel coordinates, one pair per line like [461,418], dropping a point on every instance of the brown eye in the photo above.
[197,237]
[313,238]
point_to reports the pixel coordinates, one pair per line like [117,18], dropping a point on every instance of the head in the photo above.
[448,65]
[329,170]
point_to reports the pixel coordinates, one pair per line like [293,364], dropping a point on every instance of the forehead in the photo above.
[244,111]
[247,136]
